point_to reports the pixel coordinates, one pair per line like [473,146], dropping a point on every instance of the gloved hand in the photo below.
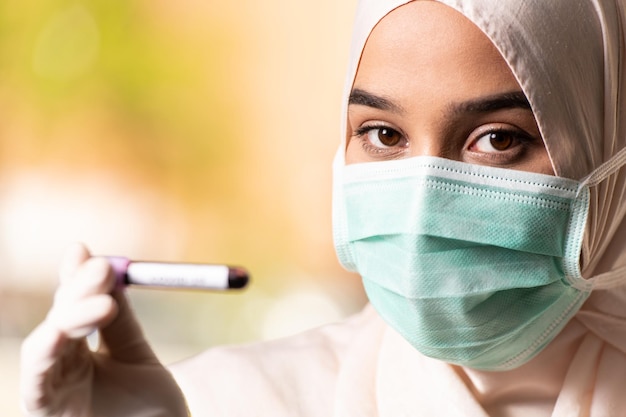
[61,376]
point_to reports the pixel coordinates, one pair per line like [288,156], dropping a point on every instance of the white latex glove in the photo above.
[62,377]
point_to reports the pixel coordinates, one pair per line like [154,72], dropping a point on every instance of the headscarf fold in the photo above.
[569,57]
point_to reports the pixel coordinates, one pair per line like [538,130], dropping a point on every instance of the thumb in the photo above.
[123,339]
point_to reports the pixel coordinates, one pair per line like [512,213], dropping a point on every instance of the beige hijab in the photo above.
[569,57]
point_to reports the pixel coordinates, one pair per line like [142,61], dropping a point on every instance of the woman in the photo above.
[479,191]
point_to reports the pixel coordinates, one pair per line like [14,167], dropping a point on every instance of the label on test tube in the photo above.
[178,275]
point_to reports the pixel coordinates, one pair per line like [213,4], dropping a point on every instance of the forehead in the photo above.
[425,45]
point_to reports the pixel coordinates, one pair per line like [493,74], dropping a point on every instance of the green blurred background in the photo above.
[192,130]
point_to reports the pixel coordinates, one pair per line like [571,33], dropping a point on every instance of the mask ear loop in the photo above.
[615,277]
[603,171]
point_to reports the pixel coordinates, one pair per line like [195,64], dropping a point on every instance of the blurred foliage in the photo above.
[228,111]
[191,130]
[114,65]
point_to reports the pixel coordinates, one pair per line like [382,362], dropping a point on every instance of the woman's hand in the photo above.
[61,376]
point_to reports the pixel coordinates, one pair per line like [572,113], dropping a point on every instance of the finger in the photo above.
[123,339]
[41,346]
[84,316]
[94,276]
[73,257]
[38,353]
[49,362]
[121,336]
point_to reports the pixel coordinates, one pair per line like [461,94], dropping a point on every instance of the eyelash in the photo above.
[521,142]
[362,134]
[364,130]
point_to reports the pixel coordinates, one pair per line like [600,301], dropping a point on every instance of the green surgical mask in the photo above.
[473,265]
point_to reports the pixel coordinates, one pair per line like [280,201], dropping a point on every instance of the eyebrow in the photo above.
[502,101]
[508,100]
[363,98]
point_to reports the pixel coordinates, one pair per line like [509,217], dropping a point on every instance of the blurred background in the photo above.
[194,130]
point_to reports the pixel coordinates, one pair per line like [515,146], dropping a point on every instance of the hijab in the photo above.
[569,57]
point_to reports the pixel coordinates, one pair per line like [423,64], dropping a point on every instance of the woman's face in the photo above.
[431,83]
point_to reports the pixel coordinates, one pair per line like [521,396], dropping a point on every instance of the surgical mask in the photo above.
[473,265]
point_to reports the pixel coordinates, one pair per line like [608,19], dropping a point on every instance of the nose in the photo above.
[428,144]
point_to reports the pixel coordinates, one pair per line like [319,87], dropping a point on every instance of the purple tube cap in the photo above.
[119,265]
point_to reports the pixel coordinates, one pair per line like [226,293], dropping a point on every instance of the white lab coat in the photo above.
[362,368]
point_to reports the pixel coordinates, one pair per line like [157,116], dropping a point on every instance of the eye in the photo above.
[378,141]
[384,137]
[381,137]
[502,144]
[496,141]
